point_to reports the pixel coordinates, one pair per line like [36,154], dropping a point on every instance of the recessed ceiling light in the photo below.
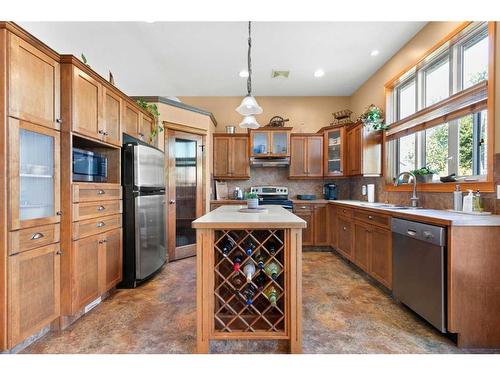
[244,74]
[319,73]
[375,52]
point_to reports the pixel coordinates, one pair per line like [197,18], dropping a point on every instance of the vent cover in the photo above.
[280,73]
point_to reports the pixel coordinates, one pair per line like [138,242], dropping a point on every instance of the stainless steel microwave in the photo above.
[89,166]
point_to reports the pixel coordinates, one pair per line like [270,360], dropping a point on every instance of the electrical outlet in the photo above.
[498,191]
[363,190]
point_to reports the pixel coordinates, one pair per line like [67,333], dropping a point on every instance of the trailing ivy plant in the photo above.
[153,110]
[373,118]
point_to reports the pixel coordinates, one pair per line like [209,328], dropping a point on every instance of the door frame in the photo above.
[174,252]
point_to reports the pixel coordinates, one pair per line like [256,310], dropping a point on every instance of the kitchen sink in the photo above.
[405,208]
[380,205]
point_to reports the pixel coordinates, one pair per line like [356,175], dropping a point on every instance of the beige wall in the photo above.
[306,113]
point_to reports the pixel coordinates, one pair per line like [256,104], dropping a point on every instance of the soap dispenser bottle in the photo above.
[468,202]
[457,199]
[477,205]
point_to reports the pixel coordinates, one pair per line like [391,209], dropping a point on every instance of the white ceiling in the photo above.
[204,58]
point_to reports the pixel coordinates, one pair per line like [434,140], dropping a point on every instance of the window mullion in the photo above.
[453,147]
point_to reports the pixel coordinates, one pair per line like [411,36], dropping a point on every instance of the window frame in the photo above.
[452,48]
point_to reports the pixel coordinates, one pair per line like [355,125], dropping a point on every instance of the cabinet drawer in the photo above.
[303,207]
[95,226]
[90,210]
[31,238]
[344,211]
[373,218]
[96,192]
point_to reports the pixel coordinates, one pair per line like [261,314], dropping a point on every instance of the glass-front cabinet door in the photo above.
[273,142]
[280,140]
[34,175]
[334,147]
[260,143]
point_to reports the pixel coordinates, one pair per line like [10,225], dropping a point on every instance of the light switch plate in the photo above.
[498,191]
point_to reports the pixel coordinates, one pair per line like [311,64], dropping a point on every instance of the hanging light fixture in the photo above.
[249,105]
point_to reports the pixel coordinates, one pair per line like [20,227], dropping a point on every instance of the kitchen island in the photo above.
[249,276]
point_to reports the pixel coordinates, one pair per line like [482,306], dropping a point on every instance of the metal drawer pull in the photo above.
[101,192]
[344,228]
[59,213]
[59,252]
[101,208]
[37,236]
[58,120]
[102,241]
[101,131]
[303,207]
[101,224]
[370,217]
[411,232]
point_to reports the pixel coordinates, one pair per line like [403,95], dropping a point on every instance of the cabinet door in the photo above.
[221,157]
[260,143]
[332,225]
[87,104]
[345,237]
[34,175]
[280,143]
[34,84]
[85,272]
[320,225]
[315,156]
[334,156]
[354,150]
[240,166]
[110,259]
[381,255]
[145,128]
[34,291]
[362,246]
[131,119]
[112,117]
[308,232]
[298,157]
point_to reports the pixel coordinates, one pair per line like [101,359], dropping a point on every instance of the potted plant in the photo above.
[424,174]
[252,200]
[373,118]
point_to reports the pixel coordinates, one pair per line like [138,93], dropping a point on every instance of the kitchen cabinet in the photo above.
[306,212]
[335,156]
[345,236]
[231,159]
[87,105]
[34,175]
[362,242]
[112,117]
[131,120]
[381,255]
[270,142]
[364,150]
[34,291]
[306,156]
[315,214]
[145,128]
[110,259]
[86,271]
[320,227]
[332,225]
[34,84]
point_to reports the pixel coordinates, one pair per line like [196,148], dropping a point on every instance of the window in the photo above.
[438,110]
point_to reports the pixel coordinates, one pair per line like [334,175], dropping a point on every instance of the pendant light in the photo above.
[249,105]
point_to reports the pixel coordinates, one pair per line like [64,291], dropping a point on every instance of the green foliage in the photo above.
[251,195]
[84,60]
[424,171]
[373,117]
[153,109]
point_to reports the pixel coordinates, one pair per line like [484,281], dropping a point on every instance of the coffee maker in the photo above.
[330,191]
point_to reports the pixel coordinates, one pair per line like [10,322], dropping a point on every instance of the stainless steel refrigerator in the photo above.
[144,237]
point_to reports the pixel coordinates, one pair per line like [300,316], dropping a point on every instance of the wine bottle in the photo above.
[249,270]
[227,246]
[261,280]
[237,259]
[249,293]
[249,248]
[272,269]
[260,259]
[271,247]
[272,295]
[237,281]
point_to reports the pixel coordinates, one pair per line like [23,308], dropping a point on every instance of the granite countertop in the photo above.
[429,215]
[226,217]
[312,201]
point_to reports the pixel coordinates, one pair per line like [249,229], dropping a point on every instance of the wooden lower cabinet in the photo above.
[308,232]
[110,259]
[85,272]
[345,236]
[381,255]
[320,228]
[362,246]
[34,291]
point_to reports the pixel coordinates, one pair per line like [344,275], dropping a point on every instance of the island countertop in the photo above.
[229,216]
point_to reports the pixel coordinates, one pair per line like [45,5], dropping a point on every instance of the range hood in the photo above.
[269,162]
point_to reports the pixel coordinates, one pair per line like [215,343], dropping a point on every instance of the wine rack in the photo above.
[232,314]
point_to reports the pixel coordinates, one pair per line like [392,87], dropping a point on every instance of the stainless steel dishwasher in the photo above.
[419,269]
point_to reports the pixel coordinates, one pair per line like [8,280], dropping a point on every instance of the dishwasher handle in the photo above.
[420,231]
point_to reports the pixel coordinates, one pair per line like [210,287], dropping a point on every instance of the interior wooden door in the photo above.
[34,84]
[315,156]
[34,175]
[87,105]
[85,271]
[112,116]
[185,191]
[131,119]
[34,291]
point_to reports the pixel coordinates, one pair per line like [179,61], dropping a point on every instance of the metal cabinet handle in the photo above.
[101,208]
[37,236]
[141,135]
[101,192]
[59,252]
[100,131]
[102,241]
[100,224]
[344,228]
[370,217]
[59,213]
[171,202]
[303,207]
[59,121]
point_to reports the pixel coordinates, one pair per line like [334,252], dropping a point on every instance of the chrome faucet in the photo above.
[414,198]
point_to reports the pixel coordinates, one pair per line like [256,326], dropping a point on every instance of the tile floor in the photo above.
[344,312]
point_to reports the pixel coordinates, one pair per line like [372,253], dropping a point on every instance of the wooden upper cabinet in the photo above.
[270,142]
[34,84]
[306,156]
[364,148]
[34,297]
[33,175]
[145,128]
[354,147]
[334,146]
[87,97]
[112,117]
[131,120]
[231,159]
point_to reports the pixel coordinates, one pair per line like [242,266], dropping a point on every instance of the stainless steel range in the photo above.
[277,195]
